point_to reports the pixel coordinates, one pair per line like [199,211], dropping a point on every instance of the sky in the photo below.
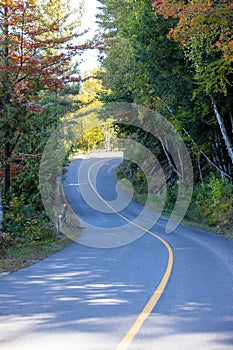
[90,57]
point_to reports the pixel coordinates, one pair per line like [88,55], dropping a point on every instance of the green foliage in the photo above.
[204,32]
[213,203]
[180,79]
[25,225]
[141,64]
[130,171]
[171,196]
[39,84]
[25,185]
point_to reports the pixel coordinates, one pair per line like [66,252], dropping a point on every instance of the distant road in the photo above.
[161,291]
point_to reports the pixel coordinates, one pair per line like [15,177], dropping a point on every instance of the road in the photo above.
[144,290]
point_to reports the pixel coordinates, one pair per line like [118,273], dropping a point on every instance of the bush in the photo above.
[212,203]
[24,224]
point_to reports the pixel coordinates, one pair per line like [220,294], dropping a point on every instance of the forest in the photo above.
[172,57]
[175,57]
[39,84]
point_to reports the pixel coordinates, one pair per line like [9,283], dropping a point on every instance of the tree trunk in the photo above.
[231,118]
[199,149]
[7,173]
[223,131]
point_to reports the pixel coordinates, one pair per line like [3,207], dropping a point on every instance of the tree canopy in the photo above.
[36,56]
[176,58]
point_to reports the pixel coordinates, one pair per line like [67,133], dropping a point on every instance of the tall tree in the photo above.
[204,31]
[137,50]
[28,65]
[141,64]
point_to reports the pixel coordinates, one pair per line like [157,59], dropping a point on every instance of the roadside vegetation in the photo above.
[211,208]
[176,58]
[15,257]
[39,85]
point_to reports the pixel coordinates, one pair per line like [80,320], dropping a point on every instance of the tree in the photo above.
[175,57]
[143,65]
[28,65]
[140,64]
[93,130]
[204,30]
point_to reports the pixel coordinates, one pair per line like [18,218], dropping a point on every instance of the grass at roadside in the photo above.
[16,258]
[221,231]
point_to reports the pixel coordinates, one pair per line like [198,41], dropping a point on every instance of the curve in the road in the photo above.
[195,311]
[128,338]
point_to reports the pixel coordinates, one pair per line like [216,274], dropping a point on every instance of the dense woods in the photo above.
[175,57]
[39,82]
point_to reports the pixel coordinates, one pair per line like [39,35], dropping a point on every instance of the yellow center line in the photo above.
[128,338]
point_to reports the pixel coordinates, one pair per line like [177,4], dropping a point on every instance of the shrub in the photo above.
[212,203]
[25,225]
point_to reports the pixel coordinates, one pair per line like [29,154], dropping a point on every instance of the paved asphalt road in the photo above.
[87,297]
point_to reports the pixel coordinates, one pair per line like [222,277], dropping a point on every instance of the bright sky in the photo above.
[89,58]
